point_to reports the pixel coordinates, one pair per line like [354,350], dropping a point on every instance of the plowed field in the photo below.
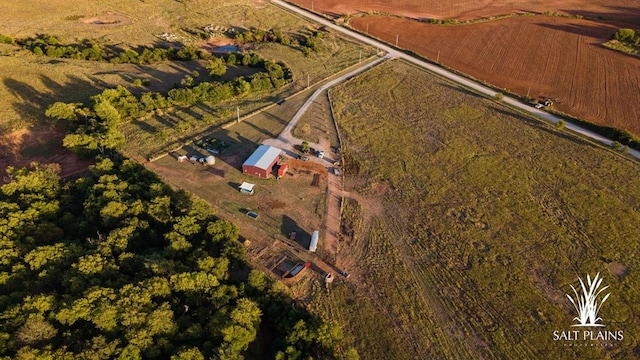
[474,9]
[543,56]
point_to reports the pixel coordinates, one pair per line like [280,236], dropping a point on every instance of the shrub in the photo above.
[4,39]
[625,35]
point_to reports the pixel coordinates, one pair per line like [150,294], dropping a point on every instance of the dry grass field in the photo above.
[489,217]
[133,22]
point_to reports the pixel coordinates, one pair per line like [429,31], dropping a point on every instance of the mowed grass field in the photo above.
[489,218]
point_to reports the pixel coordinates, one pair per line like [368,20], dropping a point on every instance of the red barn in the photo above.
[261,162]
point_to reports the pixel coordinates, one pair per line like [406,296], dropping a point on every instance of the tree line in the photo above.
[118,265]
[306,43]
[87,49]
[53,46]
[96,125]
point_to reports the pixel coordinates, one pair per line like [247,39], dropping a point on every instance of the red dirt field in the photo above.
[21,148]
[553,57]
[619,10]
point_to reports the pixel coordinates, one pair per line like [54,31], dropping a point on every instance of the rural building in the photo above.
[261,162]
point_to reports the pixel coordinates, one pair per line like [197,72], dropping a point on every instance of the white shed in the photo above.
[313,245]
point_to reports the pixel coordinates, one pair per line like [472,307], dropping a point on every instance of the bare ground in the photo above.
[21,148]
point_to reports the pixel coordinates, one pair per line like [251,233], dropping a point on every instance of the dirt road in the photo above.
[286,141]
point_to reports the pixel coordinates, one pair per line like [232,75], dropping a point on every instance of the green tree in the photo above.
[625,35]
[35,330]
[188,354]
[63,111]
[217,67]
[305,148]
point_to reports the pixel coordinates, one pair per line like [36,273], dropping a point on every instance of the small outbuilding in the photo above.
[261,162]
[246,188]
[282,170]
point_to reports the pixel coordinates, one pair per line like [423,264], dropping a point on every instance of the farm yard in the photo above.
[558,57]
[293,203]
[481,235]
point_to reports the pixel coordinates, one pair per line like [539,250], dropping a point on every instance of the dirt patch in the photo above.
[215,42]
[107,19]
[22,147]
[307,166]
[618,269]
[541,56]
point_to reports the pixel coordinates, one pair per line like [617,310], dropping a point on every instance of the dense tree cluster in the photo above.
[52,46]
[627,36]
[306,43]
[259,36]
[117,265]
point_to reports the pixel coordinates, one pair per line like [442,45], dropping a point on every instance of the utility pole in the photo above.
[307,81]
[311,5]
[528,91]
[360,57]
[238,113]
[367,28]
[438,58]
[397,36]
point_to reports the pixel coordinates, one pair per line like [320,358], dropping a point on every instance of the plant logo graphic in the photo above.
[587,304]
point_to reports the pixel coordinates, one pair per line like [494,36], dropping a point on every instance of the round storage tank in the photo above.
[210,160]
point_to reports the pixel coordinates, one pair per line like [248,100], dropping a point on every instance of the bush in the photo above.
[499,96]
[4,39]
[625,35]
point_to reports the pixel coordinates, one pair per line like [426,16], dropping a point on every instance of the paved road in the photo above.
[440,71]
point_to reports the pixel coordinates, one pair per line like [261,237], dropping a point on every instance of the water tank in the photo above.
[313,245]
[210,160]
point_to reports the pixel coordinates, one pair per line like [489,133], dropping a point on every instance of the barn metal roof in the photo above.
[263,157]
